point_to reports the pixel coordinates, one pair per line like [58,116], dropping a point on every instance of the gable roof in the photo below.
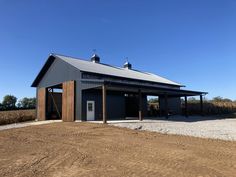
[100,68]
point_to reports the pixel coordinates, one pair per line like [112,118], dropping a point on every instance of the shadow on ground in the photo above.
[178,118]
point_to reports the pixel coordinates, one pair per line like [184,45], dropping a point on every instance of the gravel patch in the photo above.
[224,129]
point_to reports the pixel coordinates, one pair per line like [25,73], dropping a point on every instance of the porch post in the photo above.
[104,102]
[201,105]
[140,105]
[159,103]
[166,106]
[186,106]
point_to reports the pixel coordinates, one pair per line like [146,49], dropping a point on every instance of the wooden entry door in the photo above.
[68,101]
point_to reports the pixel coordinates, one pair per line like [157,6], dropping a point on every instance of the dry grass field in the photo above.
[8,117]
[209,108]
[212,108]
[86,149]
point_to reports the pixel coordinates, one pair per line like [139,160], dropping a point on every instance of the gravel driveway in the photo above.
[224,129]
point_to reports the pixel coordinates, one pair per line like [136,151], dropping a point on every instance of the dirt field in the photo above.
[86,149]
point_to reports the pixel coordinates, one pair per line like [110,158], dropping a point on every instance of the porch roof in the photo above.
[146,89]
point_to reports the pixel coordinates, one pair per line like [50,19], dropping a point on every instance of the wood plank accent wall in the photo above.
[41,104]
[68,101]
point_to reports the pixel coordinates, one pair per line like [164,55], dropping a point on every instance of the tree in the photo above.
[9,102]
[217,99]
[227,100]
[192,100]
[221,99]
[27,103]
[153,100]
[1,106]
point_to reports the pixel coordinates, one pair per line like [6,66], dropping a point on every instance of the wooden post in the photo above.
[51,97]
[140,105]
[166,106]
[201,105]
[186,106]
[104,106]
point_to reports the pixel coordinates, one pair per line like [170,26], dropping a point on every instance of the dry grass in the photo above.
[212,108]
[8,117]
[209,108]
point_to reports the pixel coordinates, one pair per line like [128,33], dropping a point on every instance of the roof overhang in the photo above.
[146,89]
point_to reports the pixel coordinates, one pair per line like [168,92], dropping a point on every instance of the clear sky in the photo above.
[192,42]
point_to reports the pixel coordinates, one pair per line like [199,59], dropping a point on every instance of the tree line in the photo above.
[10,102]
[193,100]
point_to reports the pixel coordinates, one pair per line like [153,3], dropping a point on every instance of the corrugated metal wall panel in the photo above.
[115,104]
[58,73]
[89,85]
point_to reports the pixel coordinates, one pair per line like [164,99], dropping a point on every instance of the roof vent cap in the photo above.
[95,58]
[127,65]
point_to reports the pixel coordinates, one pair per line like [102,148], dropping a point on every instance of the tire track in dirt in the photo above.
[83,149]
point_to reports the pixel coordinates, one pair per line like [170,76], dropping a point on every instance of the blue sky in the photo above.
[189,41]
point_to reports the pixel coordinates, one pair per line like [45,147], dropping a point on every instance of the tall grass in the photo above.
[212,107]
[8,117]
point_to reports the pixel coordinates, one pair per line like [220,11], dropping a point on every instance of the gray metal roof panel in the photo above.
[105,69]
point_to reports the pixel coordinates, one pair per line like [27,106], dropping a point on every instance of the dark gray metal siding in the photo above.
[90,85]
[78,100]
[92,95]
[59,72]
[144,105]
[115,104]
[86,75]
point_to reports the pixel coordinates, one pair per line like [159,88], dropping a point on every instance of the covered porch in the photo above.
[141,89]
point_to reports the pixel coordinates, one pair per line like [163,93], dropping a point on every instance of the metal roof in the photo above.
[105,69]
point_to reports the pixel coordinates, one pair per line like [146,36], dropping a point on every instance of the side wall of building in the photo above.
[60,72]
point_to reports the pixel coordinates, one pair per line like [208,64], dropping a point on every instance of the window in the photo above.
[90,106]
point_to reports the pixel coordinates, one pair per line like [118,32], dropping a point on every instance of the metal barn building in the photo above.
[73,89]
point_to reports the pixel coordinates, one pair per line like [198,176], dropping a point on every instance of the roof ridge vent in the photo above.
[95,58]
[127,65]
